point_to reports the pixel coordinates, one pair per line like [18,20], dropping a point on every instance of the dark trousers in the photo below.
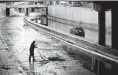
[31,55]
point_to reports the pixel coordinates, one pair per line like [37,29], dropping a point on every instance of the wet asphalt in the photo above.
[50,57]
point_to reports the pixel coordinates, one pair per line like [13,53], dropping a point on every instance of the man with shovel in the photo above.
[32,46]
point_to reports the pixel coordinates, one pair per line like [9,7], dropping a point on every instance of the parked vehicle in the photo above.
[78,32]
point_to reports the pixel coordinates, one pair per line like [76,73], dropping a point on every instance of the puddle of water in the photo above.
[5,67]
[55,59]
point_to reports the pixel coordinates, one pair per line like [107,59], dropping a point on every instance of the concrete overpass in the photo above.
[26,6]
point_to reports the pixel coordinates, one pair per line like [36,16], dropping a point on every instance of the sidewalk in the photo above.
[55,60]
[7,62]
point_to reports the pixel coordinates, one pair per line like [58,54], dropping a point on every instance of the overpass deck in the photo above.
[26,6]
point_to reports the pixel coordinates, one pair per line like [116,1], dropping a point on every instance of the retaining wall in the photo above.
[68,17]
[2,10]
[78,14]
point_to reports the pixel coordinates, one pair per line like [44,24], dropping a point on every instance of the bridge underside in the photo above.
[28,6]
[37,0]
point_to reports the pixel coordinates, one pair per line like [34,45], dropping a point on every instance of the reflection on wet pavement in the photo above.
[50,57]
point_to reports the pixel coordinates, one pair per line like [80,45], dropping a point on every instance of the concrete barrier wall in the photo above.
[2,10]
[89,34]
[78,14]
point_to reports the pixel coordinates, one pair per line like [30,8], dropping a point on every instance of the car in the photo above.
[78,31]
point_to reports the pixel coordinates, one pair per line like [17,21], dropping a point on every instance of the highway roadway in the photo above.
[51,58]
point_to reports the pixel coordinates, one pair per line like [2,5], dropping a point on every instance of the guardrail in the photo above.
[82,45]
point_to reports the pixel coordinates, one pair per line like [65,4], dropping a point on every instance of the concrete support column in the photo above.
[7,11]
[47,11]
[47,16]
[32,9]
[44,20]
[47,20]
[104,68]
[99,66]
[36,21]
[27,13]
[101,23]
[19,9]
[101,40]
[114,27]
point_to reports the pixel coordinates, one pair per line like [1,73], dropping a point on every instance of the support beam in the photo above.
[7,12]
